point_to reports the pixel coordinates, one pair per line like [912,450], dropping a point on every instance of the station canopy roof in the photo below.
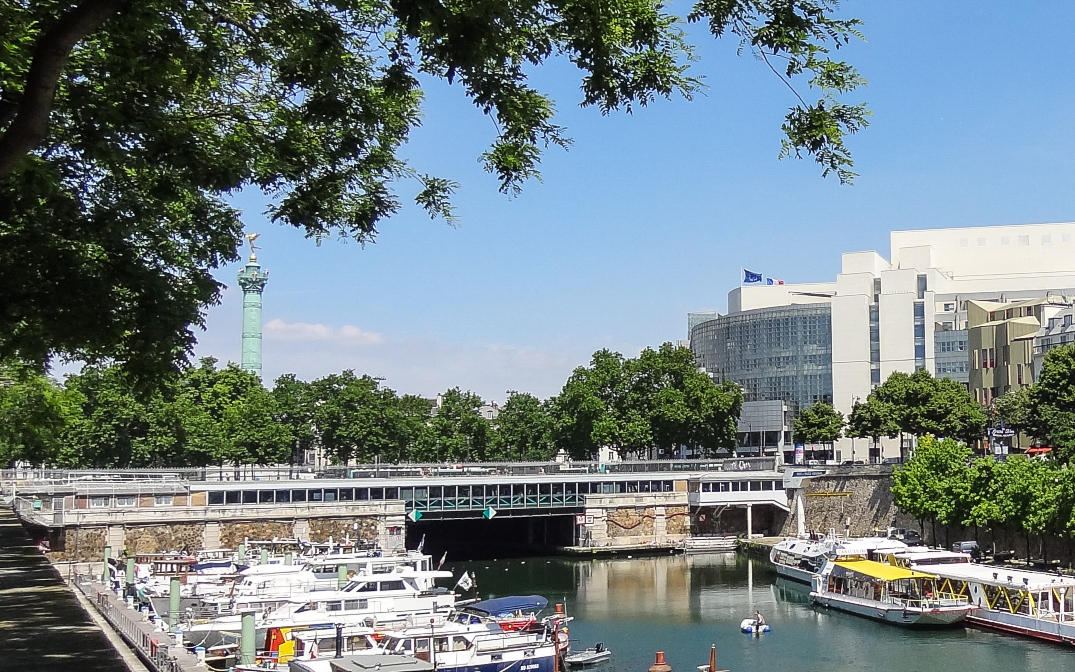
[879,570]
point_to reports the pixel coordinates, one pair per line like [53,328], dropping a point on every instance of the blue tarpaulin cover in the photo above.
[499,606]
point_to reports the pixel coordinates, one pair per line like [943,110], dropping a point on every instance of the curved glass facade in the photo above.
[783,352]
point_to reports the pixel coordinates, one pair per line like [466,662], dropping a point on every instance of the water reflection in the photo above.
[681,604]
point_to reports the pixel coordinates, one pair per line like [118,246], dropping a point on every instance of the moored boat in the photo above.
[594,655]
[1032,604]
[799,559]
[887,593]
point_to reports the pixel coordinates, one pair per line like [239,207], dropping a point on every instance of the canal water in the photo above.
[681,604]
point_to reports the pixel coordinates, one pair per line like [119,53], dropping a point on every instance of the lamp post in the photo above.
[432,644]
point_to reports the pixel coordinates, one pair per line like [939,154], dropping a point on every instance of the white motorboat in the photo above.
[449,646]
[799,559]
[594,655]
[887,593]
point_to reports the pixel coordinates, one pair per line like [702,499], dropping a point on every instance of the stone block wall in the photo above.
[82,545]
[831,500]
[233,534]
[163,538]
[678,520]
[339,528]
[632,522]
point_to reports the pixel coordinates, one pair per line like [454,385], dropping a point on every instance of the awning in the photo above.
[1039,450]
[879,570]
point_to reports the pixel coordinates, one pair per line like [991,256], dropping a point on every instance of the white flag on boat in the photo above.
[465,583]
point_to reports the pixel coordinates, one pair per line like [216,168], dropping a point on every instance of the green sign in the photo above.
[414,515]
[489,512]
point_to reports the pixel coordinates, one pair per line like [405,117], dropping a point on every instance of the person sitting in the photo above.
[599,647]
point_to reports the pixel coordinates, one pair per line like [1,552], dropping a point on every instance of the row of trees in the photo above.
[944,483]
[915,404]
[211,415]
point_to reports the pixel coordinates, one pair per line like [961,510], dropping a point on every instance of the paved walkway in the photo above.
[42,625]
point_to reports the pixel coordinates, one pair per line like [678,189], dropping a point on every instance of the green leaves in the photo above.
[820,423]
[113,220]
[1052,402]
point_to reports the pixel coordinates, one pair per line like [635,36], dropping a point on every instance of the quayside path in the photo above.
[42,624]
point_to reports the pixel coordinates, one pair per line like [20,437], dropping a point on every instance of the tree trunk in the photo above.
[1028,548]
[30,121]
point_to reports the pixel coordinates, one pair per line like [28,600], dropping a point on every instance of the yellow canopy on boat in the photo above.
[881,571]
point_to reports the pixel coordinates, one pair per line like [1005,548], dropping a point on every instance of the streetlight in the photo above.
[432,644]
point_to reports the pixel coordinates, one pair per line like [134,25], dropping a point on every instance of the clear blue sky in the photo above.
[651,215]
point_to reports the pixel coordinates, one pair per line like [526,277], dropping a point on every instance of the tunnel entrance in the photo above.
[501,537]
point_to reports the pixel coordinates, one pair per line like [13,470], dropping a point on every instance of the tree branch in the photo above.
[30,123]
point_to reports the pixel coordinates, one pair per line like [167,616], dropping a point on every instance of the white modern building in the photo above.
[908,310]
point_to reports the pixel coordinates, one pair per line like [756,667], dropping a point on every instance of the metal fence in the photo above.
[156,648]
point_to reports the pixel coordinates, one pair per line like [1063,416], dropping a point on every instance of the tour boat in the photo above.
[887,593]
[1033,604]
[799,559]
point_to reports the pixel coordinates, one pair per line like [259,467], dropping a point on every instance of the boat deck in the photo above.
[45,628]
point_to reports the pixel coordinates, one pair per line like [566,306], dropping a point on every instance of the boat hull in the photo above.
[913,617]
[794,573]
[1026,626]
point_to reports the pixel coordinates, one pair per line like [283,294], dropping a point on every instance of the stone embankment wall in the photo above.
[863,500]
[86,544]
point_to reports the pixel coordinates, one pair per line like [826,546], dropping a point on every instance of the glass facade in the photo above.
[951,358]
[783,352]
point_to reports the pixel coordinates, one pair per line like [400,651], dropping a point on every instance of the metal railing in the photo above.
[155,647]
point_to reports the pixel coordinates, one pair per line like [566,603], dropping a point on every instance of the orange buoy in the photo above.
[660,665]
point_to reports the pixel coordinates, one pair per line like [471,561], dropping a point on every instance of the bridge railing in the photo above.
[11,478]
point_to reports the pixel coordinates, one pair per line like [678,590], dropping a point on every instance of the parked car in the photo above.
[907,536]
[968,547]
[848,463]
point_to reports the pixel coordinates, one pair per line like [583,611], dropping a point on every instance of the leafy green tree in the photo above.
[921,404]
[1013,408]
[412,418]
[1052,402]
[124,125]
[227,417]
[871,419]
[820,423]
[523,429]
[35,416]
[352,418]
[457,432]
[935,484]
[295,409]
[113,427]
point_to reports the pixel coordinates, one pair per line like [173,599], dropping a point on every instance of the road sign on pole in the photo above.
[489,512]
[414,515]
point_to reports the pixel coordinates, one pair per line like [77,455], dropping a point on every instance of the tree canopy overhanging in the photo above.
[125,125]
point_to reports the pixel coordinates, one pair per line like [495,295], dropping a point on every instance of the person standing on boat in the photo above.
[759,620]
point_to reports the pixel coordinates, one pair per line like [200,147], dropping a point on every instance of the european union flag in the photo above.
[751,278]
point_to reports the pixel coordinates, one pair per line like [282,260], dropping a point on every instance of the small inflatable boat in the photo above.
[750,626]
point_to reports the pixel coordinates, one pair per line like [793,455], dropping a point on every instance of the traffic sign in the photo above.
[414,515]
[489,512]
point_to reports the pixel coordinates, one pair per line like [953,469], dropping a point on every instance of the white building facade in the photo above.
[909,311]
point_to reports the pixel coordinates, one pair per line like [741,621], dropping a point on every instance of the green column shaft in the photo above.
[341,575]
[246,641]
[130,572]
[287,558]
[252,280]
[264,556]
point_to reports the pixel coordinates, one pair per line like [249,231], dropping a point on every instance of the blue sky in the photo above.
[651,215]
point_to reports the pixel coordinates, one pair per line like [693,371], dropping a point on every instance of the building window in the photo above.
[1024,241]
[98,502]
[1019,373]
[921,286]
[124,500]
[162,500]
[919,309]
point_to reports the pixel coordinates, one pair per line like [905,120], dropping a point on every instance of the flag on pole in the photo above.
[751,278]
[465,583]
[442,559]
[421,543]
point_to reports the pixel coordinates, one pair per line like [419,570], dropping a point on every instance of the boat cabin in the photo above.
[880,582]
